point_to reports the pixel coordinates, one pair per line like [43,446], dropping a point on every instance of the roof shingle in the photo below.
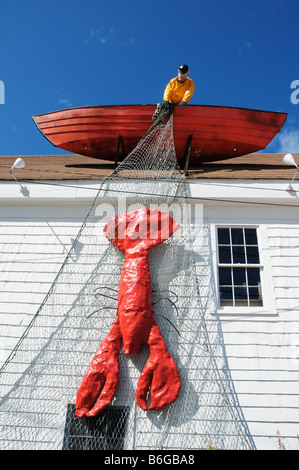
[77,167]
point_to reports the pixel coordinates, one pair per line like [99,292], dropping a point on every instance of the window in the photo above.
[105,431]
[239,268]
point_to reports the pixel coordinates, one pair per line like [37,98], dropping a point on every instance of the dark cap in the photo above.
[183,68]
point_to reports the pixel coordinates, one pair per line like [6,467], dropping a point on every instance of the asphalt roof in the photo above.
[77,167]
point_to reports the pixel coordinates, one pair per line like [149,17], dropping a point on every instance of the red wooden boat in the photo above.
[217,132]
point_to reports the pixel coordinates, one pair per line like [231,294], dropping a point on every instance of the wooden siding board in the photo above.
[31,253]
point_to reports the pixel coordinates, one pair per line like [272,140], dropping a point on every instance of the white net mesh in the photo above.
[39,381]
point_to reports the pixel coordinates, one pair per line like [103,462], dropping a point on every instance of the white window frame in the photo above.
[267,287]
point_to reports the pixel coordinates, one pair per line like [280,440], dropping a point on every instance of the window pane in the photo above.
[254,293]
[239,276]
[240,292]
[237,236]
[256,303]
[254,278]
[226,292]
[225,276]
[226,296]
[224,254]
[250,236]
[252,255]
[240,296]
[238,254]
[241,303]
[223,236]
[255,297]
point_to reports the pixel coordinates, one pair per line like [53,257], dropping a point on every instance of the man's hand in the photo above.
[182,105]
[166,104]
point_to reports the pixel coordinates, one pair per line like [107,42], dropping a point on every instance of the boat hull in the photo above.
[217,132]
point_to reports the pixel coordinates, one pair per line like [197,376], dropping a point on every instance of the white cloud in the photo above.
[287,141]
[108,34]
[102,33]
[64,102]
[244,48]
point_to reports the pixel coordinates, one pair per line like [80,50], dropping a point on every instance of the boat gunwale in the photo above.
[152,105]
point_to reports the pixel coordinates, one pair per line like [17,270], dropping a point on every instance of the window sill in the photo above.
[245,311]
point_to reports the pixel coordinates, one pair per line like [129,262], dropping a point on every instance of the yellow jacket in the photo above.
[176,92]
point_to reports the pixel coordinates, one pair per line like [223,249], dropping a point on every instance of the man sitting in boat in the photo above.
[179,90]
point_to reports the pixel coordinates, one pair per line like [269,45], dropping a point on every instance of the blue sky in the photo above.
[67,53]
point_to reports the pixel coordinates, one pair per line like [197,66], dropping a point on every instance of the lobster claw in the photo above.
[102,378]
[160,375]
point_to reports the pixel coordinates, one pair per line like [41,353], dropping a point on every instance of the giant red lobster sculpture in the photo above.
[134,233]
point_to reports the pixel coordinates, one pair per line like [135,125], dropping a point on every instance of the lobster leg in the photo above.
[102,378]
[160,374]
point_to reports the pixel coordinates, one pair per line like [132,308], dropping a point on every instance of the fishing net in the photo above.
[40,379]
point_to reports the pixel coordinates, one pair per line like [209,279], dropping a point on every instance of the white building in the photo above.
[247,259]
